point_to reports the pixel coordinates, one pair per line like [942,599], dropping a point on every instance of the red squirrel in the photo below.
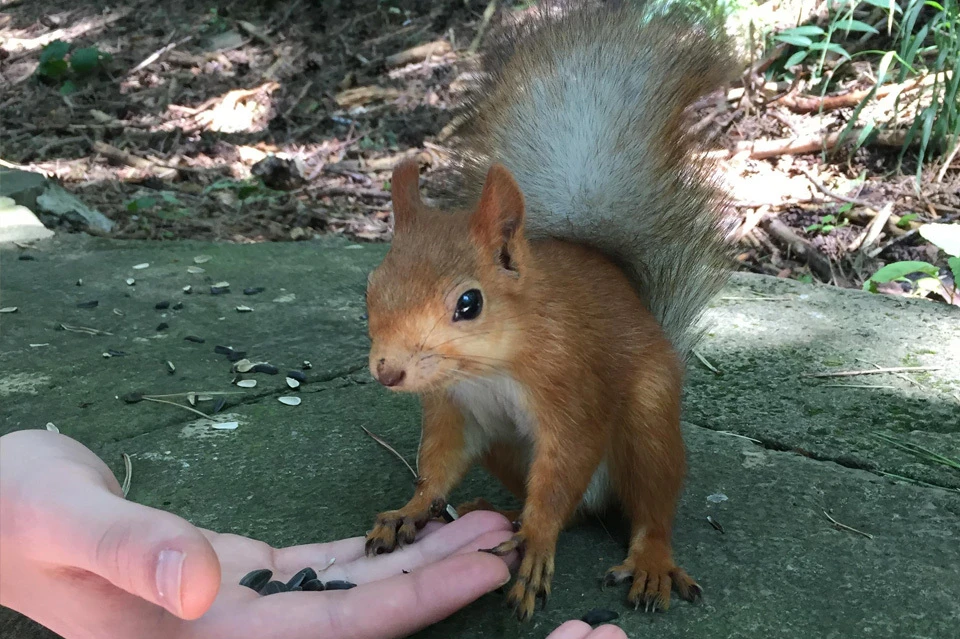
[544,312]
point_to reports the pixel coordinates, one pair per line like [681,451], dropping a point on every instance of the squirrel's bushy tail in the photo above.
[585,106]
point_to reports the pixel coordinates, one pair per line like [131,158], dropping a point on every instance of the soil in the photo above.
[275,120]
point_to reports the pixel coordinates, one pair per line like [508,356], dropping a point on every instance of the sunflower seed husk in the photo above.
[298,579]
[247,383]
[140,267]
[195,270]
[263,367]
[297,375]
[222,285]
[257,579]
[243,366]
[171,368]
[292,383]
[9,309]
[192,399]
[204,398]
[195,339]
[273,588]
[253,290]
[306,365]
[599,615]
[338,584]
[218,406]
[313,585]
[225,426]
[200,259]
[244,309]
[90,304]
[289,297]
[52,427]
[289,401]
[162,306]
[131,281]
[117,311]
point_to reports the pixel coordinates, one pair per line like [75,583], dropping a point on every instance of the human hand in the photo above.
[581,630]
[83,561]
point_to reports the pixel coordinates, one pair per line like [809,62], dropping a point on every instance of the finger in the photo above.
[149,553]
[608,631]
[573,629]
[394,607]
[317,556]
[441,544]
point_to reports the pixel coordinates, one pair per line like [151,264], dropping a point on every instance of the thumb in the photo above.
[150,553]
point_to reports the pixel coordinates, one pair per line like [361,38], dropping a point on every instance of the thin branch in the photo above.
[874,371]
[846,527]
[391,449]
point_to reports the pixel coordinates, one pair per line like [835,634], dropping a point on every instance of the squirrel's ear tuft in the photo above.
[405,192]
[499,215]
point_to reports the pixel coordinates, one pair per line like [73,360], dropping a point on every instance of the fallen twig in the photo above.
[153,57]
[837,196]
[83,329]
[482,29]
[870,234]
[846,527]
[812,104]
[163,401]
[817,262]
[393,450]
[759,149]
[875,371]
[418,53]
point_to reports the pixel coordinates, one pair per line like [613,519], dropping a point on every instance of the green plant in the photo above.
[55,65]
[829,222]
[898,271]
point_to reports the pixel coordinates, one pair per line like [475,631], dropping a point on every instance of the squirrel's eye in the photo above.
[468,305]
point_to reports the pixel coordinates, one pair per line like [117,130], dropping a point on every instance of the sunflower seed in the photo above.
[178,306]
[195,270]
[80,282]
[313,585]
[115,353]
[132,398]
[256,579]
[222,350]
[599,615]
[263,367]
[188,289]
[338,584]
[200,259]
[253,290]
[219,290]
[52,427]
[290,401]
[225,426]
[218,406]
[161,306]
[9,309]
[236,356]
[247,383]
[273,588]
[297,375]
[243,366]
[195,339]
[244,309]
[298,579]
[26,258]
[90,304]
[292,383]
[140,267]
[162,326]
[171,368]
[131,281]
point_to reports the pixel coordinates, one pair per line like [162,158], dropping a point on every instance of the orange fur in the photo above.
[563,353]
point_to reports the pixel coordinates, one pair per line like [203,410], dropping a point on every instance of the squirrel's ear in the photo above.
[499,215]
[405,192]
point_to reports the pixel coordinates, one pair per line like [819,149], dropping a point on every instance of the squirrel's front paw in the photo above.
[396,528]
[535,574]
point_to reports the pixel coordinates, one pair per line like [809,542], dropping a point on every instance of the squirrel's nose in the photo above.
[389,376]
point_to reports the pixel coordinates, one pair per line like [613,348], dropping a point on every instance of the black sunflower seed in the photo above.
[132,398]
[90,304]
[253,290]
[26,258]
[236,356]
[194,338]
[219,290]
[256,579]
[338,584]
[162,326]
[273,588]
[313,585]
[115,353]
[298,579]
[165,304]
[269,369]
[599,615]
[297,375]
[178,306]
[222,350]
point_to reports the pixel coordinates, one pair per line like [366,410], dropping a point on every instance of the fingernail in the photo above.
[169,573]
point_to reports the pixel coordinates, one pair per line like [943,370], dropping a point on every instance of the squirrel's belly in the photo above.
[598,493]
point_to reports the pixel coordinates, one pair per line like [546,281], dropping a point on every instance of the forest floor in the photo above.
[265,120]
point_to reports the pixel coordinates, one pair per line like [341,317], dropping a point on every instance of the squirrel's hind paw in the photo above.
[651,588]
